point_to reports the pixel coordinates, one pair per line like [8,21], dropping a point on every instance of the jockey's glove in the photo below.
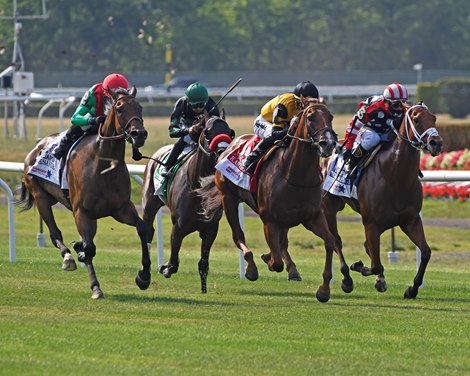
[96,120]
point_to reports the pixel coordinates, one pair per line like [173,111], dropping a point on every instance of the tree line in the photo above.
[225,35]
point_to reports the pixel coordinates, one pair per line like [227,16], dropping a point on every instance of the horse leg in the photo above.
[330,212]
[176,239]
[150,206]
[275,237]
[45,211]
[128,215]
[372,246]
[87,250]
[415,232]
[207,239]
[231,213]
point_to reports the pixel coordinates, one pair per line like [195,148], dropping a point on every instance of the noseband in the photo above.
[418,144]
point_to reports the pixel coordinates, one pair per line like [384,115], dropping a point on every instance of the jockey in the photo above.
[274,120]
[373,121]
[188,109]
[91,111]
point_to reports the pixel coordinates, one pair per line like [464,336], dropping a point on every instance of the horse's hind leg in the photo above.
[45,211]
[231,213]
[150,206]
[415,232]
[207,239]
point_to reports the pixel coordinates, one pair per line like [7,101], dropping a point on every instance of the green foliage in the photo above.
[428,92]
[455,96]
[206,35]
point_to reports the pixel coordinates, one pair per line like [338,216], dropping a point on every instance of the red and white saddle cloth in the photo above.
[231,166]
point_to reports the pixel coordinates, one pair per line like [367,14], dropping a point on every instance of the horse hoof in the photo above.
[161,268]
[322,296]
[69,263]
[266,257]
[295,276]
[347,286]
[143,284]
[410,293]
[166,273]
[381,286]
[97,293]
[251,274]
[357,266]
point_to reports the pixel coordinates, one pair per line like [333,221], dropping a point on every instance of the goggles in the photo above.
[397,104]
[198,106]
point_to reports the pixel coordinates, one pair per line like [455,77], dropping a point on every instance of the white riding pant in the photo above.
[367,138]
[262,127]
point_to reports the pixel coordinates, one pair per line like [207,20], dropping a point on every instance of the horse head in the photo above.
[216,136]
[319,132]
[418,128]
[126,117]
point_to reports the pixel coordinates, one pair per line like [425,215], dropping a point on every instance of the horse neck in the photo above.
[111,148]
[402,162]
[200,165]
[301,160]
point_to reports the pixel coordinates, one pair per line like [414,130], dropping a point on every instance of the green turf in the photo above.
[50,325]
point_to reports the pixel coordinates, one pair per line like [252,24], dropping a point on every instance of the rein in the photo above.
[123,135]
[418,145]
[311,137]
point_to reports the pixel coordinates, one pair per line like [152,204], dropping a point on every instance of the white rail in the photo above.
[136,170]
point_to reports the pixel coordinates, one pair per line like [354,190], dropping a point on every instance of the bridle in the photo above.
[313,138]
[418,144]
[124,135]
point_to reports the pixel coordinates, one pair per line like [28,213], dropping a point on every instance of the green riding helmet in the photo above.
[196,94]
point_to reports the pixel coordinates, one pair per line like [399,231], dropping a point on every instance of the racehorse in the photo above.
[390,194]
[289,193]
[184,204]
[99,186]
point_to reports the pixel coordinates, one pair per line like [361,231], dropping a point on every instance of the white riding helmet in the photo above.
[396,91]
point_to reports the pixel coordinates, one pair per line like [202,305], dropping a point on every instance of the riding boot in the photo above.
[72,134]
[177,149]
[355,157]
[251,161]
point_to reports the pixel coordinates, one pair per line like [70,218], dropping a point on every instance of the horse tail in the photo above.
[26,200]
[211,199]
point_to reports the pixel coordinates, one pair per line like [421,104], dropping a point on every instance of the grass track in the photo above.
[49,324]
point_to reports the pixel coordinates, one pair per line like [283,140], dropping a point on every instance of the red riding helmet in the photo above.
[115,81]
[396,91]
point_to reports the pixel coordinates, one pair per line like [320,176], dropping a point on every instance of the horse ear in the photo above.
[133,91]
[222,113]
[113,94]
[322,100]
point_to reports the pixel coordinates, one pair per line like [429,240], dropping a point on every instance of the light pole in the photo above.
[419,72]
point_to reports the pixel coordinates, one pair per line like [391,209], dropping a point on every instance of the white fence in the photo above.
[137,170]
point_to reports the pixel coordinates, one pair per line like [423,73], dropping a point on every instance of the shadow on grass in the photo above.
[165,299]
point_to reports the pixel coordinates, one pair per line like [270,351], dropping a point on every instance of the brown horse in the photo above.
[390,194]
[184,204]
[289,193]
[96,189]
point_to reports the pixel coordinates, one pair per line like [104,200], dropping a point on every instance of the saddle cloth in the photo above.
[337,180]
[47,167]
[231,166]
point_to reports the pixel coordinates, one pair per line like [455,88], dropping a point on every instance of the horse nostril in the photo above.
[134,134]
[145,134]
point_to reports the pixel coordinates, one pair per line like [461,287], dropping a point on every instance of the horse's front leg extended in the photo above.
[231,213]
[128,215]
[87,250]
[415,232]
